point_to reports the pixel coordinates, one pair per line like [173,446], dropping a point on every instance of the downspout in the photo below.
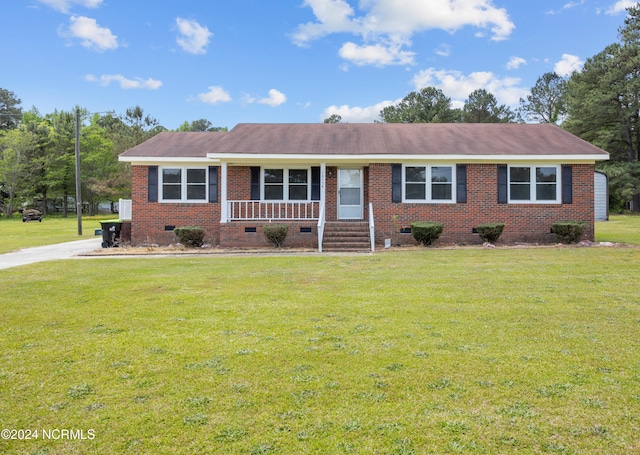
[224,206]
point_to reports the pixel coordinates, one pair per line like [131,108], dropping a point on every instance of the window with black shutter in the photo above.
[396,183]
[213,184]
[461,183]
[567,184]
[152,184]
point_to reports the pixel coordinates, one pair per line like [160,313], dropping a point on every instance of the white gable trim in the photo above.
[392,158]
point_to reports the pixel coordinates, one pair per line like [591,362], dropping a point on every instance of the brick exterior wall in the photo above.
[151,219]
[238,183]
[523,222]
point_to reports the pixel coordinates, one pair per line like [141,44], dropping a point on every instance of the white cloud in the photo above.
[515,62]
[567,6]
[394,18]
[621,6]
[248,99]
[193,37]
[389,24]
[357,114]
[571,5]
[65,5]
[91,35]
[215,95]
[333,17]
[444,50]
[138,82]
[275,98]
[459,86]
[568,64]
[376,54]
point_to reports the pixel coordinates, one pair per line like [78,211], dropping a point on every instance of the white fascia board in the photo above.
[151,161]
[242,158]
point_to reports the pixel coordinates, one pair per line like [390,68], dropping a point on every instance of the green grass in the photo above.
[427,351]
[54,229]
[619,229]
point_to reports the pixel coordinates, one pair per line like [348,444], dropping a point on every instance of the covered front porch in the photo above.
[302,196]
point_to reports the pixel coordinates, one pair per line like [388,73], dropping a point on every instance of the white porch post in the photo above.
[224,207]
[323,198]
[323,183]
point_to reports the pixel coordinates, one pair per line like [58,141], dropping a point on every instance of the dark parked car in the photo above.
[31,215]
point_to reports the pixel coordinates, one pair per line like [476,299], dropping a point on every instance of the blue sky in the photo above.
[241,61]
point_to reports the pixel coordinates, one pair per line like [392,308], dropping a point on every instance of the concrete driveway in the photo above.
[49,252]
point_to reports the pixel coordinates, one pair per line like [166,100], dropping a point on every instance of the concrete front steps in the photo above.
[346,236]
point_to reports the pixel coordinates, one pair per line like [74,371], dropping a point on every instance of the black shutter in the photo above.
[396,183]
[567,184]
[502,184]
[315,183]
[461,183]
[255,183]
[213,183]
[152,184]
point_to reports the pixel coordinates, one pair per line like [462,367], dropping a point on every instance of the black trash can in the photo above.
[111,233]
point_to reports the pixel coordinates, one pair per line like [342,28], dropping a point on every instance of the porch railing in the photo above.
[321,223]
[261,210]
[372,228]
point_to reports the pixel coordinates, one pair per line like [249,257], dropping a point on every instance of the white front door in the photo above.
[349,194]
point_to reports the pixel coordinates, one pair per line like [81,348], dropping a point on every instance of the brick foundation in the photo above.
[250,234]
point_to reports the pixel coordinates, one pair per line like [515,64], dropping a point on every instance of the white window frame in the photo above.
[533,184]
[285,183]
[429,184]
[183,184]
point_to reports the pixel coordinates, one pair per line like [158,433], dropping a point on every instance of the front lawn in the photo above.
[619,229]
[427,351]
[14,234]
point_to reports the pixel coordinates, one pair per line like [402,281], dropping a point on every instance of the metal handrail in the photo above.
[372,229]
[321,223]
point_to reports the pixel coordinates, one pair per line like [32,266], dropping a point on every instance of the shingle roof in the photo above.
[178,145]
[404,139]
[370,139]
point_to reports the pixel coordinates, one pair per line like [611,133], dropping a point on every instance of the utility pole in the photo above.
[78,187]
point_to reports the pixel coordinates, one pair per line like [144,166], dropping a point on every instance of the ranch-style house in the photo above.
[359,186]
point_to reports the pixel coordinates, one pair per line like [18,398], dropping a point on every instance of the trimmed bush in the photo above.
[276,233]
[569,231]
[192,236]
[426,232]
[490,232]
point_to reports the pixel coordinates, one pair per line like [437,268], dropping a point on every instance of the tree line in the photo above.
[599,103]
[37,155]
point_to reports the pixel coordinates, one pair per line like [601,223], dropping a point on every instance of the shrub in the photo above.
[192,236]
[490,232]
[276,233]
[425,232]
[569,231]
